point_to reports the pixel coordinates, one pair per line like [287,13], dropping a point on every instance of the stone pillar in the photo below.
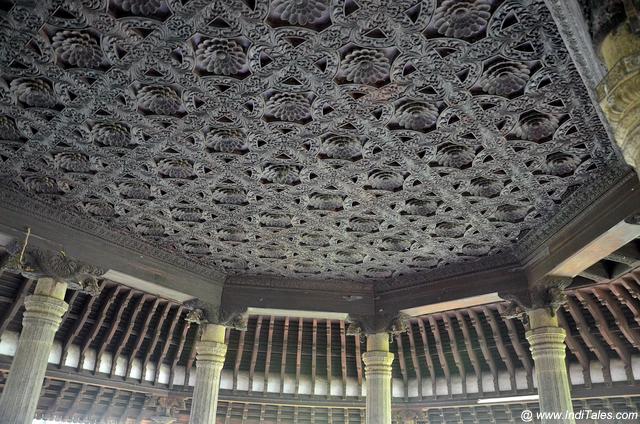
[44,310]
[377,360]
[616,34]
[210,350]
[546,341]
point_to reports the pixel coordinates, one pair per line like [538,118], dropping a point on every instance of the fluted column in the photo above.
[377,360]
[41,320]
[546,341]
[616,33]
[210,350]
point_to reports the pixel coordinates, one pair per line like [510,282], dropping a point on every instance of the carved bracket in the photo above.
[547,293]
[201,313]
[34,263]
[392,323]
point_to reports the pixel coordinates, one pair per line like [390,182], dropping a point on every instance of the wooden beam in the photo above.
[78,325]
[122,305]
[314,352]
[457,357]
[104,309]
[475,362]
[610,337]
[414,360]
[167,342]
[523,354]
[125,337]
[605,296]
[156,336]
[484,347]
[141,337]
[440,349]
[343,358]
[624,296]
[183,337]
[72,409]
[502,347]
[358,359]
[403,366]
[267,363]
[575,347]
[16,305]
[329,373]
[254,352]
[239,353]
[283,361]
[427,356]
[588,337]
[299,355]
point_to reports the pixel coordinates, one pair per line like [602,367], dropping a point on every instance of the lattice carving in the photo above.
[360,140]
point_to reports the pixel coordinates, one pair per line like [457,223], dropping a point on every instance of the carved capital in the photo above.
[35,263]
[547,293]
[393,323]
[201,313]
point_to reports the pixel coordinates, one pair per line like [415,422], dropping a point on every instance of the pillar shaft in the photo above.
[619,92]
[377,361]
[210,350]
[546,340]
[41,320]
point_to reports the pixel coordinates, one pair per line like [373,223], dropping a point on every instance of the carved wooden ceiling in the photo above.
[357,139]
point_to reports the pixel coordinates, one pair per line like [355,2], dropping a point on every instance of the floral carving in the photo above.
[34,92]
[299,12]
[462,18]
[160,100]
[289,106]
[77,49]
[73,162]
[505,78]
[561,164]
[226,140]
[454,155]
[342,147]
[222,57]
[536,125]
[8,129]
[230,195]
[417,116]
[302,137]
[176,168]
[111,134]
[366,66]
[281,173]
[386,180]
[139,7]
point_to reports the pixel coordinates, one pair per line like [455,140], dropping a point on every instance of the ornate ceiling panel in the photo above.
[351,139]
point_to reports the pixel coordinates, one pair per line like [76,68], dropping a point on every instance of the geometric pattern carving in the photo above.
[359,140]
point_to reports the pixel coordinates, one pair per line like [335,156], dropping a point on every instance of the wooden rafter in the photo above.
[427,356]
[299,355]
[457,357]
[403,366]
[440,349]
[239,353]
[502,347]
[471,352]
[16,305]
[343,358]
[154,341]
[102,315]
[79,324]
[414,360]
[183,337]
[167,342]
[267,364]
[254,352]
[122,305]
[283,358]
[127,333]
[521,352]
[140,339]
[575,347]
[484,347]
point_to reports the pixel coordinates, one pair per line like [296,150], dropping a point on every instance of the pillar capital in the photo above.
[38,263]
[546,295]
[203,313]
[389,323]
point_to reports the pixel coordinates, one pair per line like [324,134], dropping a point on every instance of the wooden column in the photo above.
[617,37]
[211,351]
[41,320]
[377,360]
[546,340]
